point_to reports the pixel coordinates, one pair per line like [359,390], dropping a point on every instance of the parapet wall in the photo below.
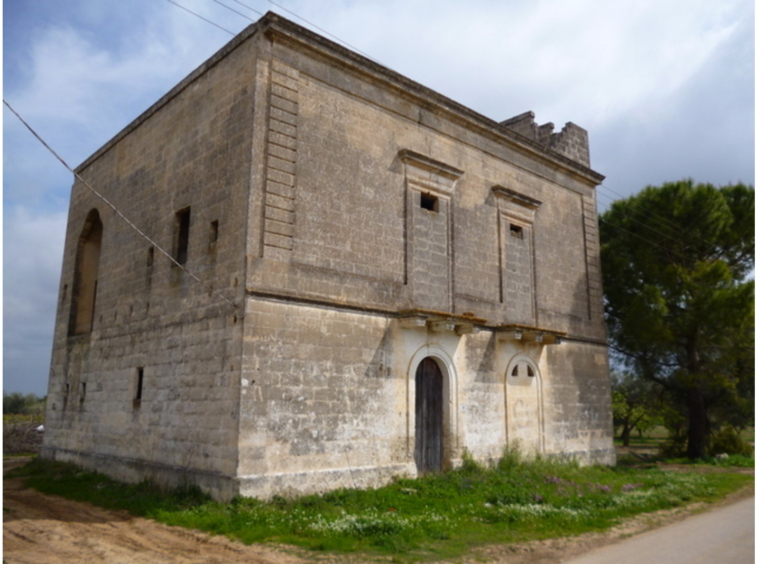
[571,142]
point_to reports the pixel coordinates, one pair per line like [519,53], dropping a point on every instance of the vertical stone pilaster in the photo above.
[279,206]
[592,259]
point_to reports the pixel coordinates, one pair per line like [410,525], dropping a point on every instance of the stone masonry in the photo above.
[389,280]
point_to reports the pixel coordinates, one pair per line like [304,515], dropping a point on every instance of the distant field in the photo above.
[20,435]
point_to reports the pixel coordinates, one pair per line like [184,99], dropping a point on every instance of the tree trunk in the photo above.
[697,432]
[626,432]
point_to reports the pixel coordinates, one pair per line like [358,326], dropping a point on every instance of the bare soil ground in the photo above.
[39,528]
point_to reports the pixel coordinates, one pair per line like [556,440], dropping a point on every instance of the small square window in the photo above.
[517,231]
[430,202]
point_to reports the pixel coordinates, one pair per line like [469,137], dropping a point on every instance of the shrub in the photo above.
[728,441]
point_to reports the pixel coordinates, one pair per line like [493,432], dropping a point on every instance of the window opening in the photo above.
[84,392]
[430,202]
[214,230]
[182,235]
[138,388]
[84,288]
[523,372]
[517,231]
[150,260]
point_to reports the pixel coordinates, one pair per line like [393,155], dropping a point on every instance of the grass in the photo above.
[650,447]
[428,518]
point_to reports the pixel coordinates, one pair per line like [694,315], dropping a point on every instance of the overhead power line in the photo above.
[235,11]
[116,210]
[201,17]
[322,30]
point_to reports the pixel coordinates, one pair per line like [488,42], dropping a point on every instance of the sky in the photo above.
[665,88]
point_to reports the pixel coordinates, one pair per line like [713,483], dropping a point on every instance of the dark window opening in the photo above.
[529,371]
[138,388]
[84,392]
[430,202]
[182,235]
[517,231]
[214,230]
[514,372]
[149,269]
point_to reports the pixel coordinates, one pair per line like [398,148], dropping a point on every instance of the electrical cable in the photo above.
[250,8]
[201,17]
[322,30]
[115,209]
[235,11]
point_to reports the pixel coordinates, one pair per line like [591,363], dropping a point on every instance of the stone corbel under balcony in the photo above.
[528,334]
[438,322]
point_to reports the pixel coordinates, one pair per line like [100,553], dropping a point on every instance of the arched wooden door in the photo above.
[429,424]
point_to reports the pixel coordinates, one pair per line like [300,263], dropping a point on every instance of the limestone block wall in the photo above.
[368,230]
[576,394]
[154,383]
[323,404]
[328,398]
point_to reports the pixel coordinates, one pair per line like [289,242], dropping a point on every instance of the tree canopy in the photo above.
[678,262]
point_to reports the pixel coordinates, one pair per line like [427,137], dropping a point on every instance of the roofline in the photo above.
[272,24]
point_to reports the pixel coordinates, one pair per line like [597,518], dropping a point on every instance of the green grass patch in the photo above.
[428,518]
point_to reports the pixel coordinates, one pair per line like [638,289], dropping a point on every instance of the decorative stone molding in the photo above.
[528,334]
[439,322]
[429,174]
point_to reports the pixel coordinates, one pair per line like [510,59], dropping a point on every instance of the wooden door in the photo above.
[428,451]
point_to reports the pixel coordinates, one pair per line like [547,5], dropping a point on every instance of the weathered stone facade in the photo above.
[360,225]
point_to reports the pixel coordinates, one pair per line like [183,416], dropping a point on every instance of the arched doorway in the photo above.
[429,417]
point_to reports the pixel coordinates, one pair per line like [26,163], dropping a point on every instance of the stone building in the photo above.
[388,280]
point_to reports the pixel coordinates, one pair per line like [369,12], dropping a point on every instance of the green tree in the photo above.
[635,403]
[677,261]
[16,403]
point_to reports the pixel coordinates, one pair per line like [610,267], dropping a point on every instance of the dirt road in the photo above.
[725,535]
[48,529]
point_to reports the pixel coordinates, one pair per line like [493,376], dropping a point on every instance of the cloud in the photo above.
[582,61]
[32,256]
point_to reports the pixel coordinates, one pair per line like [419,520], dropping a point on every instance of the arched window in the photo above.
[84,290]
